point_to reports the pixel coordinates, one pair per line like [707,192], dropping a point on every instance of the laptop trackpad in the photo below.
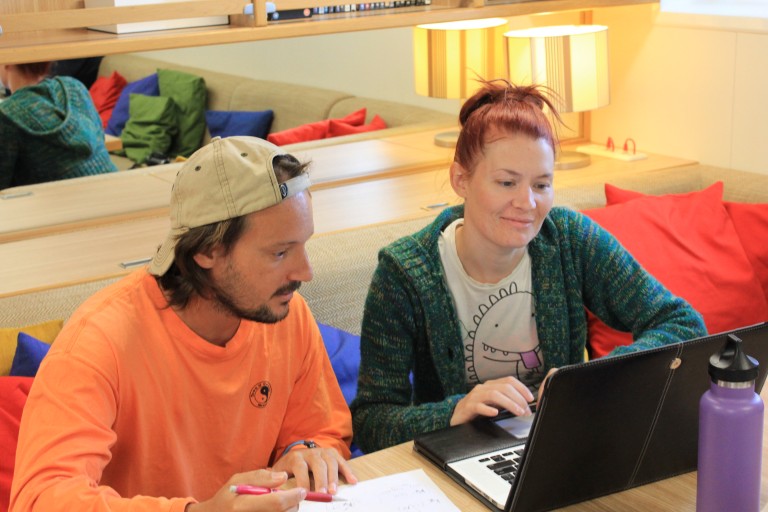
[517,426]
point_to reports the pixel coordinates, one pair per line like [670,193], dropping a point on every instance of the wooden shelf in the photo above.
[19,43]
[73,233]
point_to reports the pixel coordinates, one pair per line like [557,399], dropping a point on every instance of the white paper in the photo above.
[412,491]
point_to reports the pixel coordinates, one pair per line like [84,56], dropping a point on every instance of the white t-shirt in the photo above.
[498,321]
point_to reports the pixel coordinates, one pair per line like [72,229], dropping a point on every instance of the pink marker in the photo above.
[258,491]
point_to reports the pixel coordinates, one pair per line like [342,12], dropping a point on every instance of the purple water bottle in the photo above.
[730,434]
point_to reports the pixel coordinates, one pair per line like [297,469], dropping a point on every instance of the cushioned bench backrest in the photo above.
[293,105]
[394,114]
[131,67]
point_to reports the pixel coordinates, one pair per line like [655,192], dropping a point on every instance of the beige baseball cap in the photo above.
[227,178]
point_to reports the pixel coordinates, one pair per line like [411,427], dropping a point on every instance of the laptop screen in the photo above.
[602,426]
[618,422]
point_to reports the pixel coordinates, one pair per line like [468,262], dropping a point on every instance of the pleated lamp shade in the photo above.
[449,57]
[571,60]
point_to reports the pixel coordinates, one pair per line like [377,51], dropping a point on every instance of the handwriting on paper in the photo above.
[412,491]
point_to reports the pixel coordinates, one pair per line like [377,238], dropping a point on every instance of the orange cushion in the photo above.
[338,128]
[105,92]
[689,243]
[314,131]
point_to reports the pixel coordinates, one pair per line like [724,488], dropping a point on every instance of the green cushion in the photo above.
[189,93]
[151,127]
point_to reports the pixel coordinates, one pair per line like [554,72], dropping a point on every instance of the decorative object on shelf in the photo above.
[571,60]
[126,28]
[609,150]
[449,57]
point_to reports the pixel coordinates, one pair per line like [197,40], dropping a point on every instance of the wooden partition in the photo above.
[56,207]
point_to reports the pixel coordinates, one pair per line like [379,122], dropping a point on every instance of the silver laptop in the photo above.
[602,426]
[492,474]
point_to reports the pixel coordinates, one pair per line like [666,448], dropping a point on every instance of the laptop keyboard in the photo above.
[505,464]
[491,475]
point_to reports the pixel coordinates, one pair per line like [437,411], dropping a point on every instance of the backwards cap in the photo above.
[224,179]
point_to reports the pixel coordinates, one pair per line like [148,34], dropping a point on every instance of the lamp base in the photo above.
[568,160]
[447,139]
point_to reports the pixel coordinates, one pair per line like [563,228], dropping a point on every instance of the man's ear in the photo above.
[207,259]
[459,179]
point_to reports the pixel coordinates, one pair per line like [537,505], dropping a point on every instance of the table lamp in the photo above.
[449,57]
[572,61]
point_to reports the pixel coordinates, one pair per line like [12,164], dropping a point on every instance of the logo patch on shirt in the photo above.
[260,394]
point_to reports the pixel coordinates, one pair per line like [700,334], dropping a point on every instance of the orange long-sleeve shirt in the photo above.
[131,410]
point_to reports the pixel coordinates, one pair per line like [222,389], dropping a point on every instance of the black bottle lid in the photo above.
[731,364]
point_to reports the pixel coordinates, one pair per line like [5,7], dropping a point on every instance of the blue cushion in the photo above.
[148,86]
[222,123]
[344,352]
[29,353]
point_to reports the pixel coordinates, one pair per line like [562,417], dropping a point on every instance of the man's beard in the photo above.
[262,314]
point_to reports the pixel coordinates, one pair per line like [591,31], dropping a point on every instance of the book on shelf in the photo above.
[276,14]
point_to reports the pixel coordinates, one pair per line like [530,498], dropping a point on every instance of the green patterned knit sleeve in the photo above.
[9,148]
[383,411]
[621,293]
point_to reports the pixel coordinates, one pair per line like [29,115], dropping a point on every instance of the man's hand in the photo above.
[325,464]
[488,398]
[227,501]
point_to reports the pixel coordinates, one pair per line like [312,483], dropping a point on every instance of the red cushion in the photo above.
[616,195]
[751,223]
[14,391]
[689,243]
[105,92]
[314,131]
[306,132]
[338,128]
[355,118]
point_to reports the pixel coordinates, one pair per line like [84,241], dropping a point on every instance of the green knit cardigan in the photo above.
[412,361]
[51,131]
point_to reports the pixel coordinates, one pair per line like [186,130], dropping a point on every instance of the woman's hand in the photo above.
[488,398]
[544,382]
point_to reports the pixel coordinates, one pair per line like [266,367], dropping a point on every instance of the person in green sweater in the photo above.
[466,317]
[49,128]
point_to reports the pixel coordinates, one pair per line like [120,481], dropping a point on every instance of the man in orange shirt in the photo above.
[200,372]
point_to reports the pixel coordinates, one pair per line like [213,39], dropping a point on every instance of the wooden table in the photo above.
[676,494]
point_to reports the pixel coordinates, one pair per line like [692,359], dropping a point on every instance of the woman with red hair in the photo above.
[466,317]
